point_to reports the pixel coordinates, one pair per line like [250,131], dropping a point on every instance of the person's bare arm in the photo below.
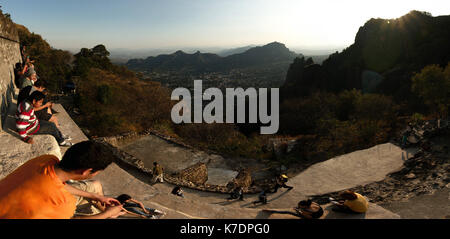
[110,212]
[140,204]
[93,196]
[43,106]
[134,214]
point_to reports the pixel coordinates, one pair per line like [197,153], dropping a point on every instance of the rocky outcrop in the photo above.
[392,48]
[418,133]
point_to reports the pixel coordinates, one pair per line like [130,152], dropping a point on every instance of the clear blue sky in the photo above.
[135,24]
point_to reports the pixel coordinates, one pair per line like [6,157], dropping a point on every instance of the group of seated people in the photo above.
[349,202]
[35,115]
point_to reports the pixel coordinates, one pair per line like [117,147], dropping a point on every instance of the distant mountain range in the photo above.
[272,53]
[384,56]
[233,51]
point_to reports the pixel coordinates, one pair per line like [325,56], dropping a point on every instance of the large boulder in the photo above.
[197,174]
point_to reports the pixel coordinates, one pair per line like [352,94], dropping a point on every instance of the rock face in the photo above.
[391,48]
[197,173]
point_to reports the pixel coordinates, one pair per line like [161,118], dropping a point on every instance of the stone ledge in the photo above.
[14,152]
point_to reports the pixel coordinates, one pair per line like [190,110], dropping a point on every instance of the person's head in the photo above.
[40,85]
[33,77]
[18,66]
[176,190]
[305,203]
[155,163]
[348,195]
[36,98]
[86,159]
[123,198]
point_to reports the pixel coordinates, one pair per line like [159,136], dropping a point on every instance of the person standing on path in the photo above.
[158,173]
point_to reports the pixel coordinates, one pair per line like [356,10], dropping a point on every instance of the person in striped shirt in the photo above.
[27,123]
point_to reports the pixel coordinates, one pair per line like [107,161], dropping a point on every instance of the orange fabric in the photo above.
[33,191]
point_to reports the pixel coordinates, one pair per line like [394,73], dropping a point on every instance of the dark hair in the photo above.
[40,83]
[155,163]
[123,198]
[85,155]
[348,195]
[36,95]
[305,203]
[175,189]
[18,66]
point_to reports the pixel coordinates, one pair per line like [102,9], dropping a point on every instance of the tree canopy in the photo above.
[432,84]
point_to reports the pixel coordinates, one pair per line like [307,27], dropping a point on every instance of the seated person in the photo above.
[238,192]
[19,74]
[28,124]
[30,78]
[352,203]
[281,181]
[39,190]
[39,85]
[45,111]
[136,208]
[262,198]
[178,191]
[309,209]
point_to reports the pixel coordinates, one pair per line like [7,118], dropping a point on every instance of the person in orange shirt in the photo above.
[352,203]
[38,188]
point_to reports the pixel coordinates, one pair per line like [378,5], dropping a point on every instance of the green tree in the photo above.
[432,84]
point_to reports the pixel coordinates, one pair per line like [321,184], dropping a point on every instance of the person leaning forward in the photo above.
[38,188]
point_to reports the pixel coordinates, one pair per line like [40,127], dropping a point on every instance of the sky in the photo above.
[151,24]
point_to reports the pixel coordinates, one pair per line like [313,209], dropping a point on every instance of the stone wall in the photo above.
[9,56]
[197,173]
[124,158]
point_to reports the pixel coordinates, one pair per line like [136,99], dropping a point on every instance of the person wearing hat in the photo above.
[281,181]
[30,78]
